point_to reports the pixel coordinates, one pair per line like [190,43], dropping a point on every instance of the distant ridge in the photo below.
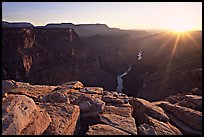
[17,24]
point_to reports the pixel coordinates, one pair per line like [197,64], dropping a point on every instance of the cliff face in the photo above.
[50,56]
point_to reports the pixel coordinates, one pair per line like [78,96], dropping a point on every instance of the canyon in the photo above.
[57,53]
[89,79]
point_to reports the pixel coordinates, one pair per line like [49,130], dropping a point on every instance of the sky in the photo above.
[124,15]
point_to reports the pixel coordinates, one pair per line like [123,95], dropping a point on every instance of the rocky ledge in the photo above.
[72,109]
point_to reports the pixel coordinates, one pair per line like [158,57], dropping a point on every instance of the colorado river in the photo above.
[119,78]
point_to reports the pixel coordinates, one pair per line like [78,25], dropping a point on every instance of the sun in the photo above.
[181,28]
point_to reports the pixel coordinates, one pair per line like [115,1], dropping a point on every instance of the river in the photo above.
[119,78]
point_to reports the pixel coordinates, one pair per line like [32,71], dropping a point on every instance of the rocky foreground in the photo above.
[72,109]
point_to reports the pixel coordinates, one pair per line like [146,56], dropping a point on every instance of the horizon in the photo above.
[178,16]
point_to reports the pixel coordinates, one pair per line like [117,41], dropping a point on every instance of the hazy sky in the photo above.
[124,15]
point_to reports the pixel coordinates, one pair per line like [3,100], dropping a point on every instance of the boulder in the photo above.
[40,124]
[90,106]
[20,115]
[191,101]
[190,117]
[185,129]
[101,129]
[8,85]
[126,124]
[161,128]
[72,94]
[146,129]
[55,97]
[150,109]
[64,118]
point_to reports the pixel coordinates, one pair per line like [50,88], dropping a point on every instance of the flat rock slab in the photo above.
[150,109]
[121,111]
[55,97]
[92,90]
[126,124]
[70,85]
[161,128]
[190,117]
[185,129]
[101,129]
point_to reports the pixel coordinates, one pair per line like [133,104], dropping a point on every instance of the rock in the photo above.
[122,111]
[149,109]
[71,84]
[111,99]
[92,90]
[161,128]
[64,118]
[28,93]
[101,129]
[40,124]
[114,98]
[186,130]
[89,106]
[186,100]
[191,101]
[8,85]
[22,84]
[126,124]
[20,115]
[146,129]
[56,97]
[85,106]
[72,94]
[190,117]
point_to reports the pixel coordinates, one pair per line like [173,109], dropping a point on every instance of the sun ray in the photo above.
[168,66]
[196,44]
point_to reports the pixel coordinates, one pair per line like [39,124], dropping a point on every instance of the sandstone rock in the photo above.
[26,92]
[149,109]
[8,85]
[146,129]
[122,111]
[192,101]
[71,84]
[111,99]
[40,124]
[55,97]
[190,117]
[101,129]
[89,106]
[22,84]
[92,90]
[186,130]
[161,128]
[126,124]
[186,100]
[72,94]
[114,98]
[20,114]
[64,118]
